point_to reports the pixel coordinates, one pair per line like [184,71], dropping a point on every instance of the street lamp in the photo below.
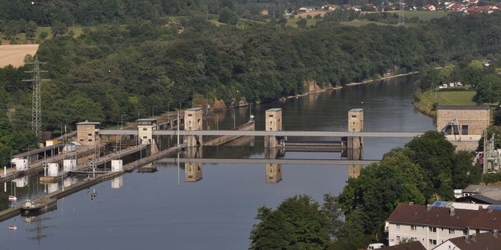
[121,120]
[28,156]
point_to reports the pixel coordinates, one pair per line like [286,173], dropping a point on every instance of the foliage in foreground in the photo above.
[426,169]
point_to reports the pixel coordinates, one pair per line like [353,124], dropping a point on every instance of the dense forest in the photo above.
[135,57]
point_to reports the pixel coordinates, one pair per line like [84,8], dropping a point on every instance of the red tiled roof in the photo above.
[416,245]
[441,217]
[479,241]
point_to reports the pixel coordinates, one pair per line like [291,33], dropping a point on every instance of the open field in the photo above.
[452,98]
[14,54]
[312,14]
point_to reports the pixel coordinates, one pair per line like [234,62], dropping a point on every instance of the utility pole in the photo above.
[36,104]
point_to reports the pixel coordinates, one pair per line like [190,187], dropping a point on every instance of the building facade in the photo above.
[463,123]
[433,226]
[87,133]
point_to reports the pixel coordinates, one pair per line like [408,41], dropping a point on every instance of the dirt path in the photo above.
[14,54]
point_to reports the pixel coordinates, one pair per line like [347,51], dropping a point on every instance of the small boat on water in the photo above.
[12,198]
[38,206]
[12,227]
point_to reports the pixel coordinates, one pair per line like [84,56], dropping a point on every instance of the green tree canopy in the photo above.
[435,155]
[297,223]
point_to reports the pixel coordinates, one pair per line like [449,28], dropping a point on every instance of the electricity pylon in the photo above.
[36,101]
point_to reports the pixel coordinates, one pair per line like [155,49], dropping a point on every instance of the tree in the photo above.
[489,89]
[473,73]
[302,23]
[464,172]
[376,192]
[44,35]
[433,153]
[59,28]
[31,29]
[227,16]
[297,223]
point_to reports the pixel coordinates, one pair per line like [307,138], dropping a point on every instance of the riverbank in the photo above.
[427,101]
[368,81]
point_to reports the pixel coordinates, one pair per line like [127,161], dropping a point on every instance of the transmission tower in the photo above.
[401,18]
[36,102]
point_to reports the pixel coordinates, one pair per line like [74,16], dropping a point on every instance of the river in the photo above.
[160,210]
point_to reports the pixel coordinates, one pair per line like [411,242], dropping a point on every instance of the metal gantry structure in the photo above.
[401,19]
[36,105]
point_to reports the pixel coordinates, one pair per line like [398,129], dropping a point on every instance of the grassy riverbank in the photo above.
[426,100]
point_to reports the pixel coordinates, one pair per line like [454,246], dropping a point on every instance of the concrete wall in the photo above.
[355,124]
[398,232]
[471,121]
[193,121]
[87,133]
[219,140]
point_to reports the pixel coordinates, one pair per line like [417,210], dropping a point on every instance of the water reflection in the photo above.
[193,171]
[37,226]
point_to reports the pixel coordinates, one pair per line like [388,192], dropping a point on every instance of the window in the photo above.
[413,228]
[452,231]
[353,116]
[448,130]
[144,129]
[464,129]
[397,226]
[433,242]
[465,232]
[398,238]
[433,229]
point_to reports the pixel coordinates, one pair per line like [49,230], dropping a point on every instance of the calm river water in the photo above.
[160,210]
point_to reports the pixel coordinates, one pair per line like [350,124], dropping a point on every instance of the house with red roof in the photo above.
[434,225]
[481,241]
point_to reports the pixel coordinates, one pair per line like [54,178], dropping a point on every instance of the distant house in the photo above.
[357,7]
[481,194]
[307,9]
[457,7]
[473,2]
[346,6]
[490,240]
[329,7]
[432,225]
[430,7]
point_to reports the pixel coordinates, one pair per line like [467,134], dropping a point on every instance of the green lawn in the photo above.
[425,15]
[451,98]
[21,37]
